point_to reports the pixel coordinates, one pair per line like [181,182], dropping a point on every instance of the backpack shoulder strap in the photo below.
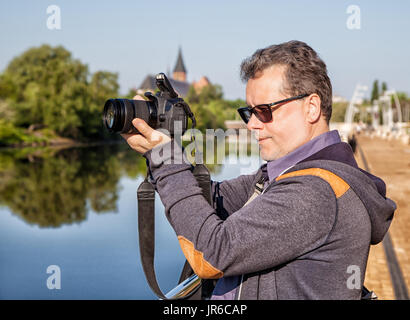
[338,185]
[258,188]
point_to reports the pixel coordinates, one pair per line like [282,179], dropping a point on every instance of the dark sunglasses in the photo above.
[264,111]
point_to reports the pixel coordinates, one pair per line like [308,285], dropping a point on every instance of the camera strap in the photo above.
[146,233]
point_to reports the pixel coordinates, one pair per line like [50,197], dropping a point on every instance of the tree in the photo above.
[208,93]
[339,111]
[375,91]
[103,86]
[384,87]
[47,87]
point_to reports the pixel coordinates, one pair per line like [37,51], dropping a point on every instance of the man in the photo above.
[318,213]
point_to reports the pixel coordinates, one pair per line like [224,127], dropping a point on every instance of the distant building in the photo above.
[178,80]
[201,83]
[179,72]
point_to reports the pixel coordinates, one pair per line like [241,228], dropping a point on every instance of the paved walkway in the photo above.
[389,160]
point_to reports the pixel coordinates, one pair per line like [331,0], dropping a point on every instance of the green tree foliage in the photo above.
[209,107]
[208,93]
[403,96]
[384,87]
[338,111]
[375,91]
[103,85]
[46,87]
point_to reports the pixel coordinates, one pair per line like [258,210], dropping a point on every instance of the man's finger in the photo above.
[138,97]
[143,128]
[137,142]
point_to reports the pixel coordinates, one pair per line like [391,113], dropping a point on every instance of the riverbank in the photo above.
[34,151]
[12,137]
[48,139]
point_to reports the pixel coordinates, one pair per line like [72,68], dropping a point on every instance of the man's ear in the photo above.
[312,107]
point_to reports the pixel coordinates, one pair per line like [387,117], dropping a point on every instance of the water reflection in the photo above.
[52,187]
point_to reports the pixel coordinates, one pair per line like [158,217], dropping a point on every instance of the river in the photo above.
[68,223]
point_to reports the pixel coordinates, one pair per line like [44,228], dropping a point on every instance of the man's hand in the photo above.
[148,137]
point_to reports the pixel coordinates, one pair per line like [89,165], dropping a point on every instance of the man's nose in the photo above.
[254,123]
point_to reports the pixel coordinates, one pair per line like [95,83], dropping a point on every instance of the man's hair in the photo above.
[305,72]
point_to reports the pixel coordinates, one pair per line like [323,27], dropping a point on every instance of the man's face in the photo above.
[289,128]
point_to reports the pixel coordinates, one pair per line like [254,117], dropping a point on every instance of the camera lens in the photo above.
[114,115]
[110,116]
[119,113]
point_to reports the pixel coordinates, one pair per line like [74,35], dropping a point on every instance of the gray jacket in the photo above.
[303,238]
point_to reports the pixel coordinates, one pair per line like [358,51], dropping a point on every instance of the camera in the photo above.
[161,111]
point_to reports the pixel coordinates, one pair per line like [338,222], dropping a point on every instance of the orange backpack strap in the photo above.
[338,185]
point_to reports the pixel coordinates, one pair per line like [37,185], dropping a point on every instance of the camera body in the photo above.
[163,110]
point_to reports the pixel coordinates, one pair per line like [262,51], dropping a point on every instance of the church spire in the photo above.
[179,70]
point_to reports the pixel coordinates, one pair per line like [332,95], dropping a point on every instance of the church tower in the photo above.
[179,72]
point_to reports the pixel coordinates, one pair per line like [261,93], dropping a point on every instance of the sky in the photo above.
[136,38]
